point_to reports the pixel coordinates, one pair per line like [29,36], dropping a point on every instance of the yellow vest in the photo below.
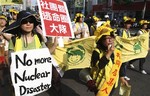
[125,34]
[104,76]
[144,31]
[18,43]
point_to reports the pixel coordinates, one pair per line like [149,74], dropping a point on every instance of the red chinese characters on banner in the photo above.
[56,18]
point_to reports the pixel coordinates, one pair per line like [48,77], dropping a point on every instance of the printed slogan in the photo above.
[55,18]
[31,71]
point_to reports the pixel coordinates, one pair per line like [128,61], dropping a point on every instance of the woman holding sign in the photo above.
[25,35]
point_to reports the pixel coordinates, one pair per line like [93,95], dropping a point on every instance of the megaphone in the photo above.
[84,75]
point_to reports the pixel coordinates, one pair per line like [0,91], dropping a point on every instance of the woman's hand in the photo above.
[39,30]
[110,50]
[91,86]
[124,81]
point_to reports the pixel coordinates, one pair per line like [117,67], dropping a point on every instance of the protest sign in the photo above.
[55,18]
[31,71]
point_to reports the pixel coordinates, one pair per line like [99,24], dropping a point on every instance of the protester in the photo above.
[3,24]
[26,38]
[103,62]
[94,25]
[3,50]
[106,17]
[125,33]
[13,15]
[143,24]
[81,29]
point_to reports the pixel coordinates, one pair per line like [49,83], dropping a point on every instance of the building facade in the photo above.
[119,8]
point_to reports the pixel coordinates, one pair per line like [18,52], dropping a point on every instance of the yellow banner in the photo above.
[133,48]
[76,54]
[10,2]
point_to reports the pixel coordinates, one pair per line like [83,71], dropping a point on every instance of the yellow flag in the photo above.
[10,2]
[133,48]
[75,54]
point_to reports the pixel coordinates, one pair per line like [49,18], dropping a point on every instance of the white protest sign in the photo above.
[31,71]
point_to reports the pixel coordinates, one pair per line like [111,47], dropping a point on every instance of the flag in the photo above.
[76,54]
[10,2]
[133,48]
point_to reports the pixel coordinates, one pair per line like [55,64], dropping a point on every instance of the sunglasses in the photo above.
[28,20]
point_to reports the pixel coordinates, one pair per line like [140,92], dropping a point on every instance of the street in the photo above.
[72,86]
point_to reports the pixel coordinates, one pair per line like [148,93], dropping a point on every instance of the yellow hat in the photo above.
[128,19]
[107,23]
[3,17]
[103,30]
[14,11]
[96,18]
[142,22]
[78,15]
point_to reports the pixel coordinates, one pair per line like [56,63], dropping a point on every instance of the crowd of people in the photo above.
[23,32]
[103,56]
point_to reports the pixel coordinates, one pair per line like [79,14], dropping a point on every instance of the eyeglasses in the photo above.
[25,21]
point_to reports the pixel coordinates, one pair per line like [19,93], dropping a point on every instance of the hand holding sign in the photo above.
[31,74]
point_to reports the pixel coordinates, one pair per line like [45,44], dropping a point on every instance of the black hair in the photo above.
[100,44]
[141,26]
[128,22]
[78,19]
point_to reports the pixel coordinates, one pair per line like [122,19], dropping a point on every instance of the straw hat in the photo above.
[128,20]
[103,30]
[95,18]
[3,17]
[78,15]
[142,22]
[13,11]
